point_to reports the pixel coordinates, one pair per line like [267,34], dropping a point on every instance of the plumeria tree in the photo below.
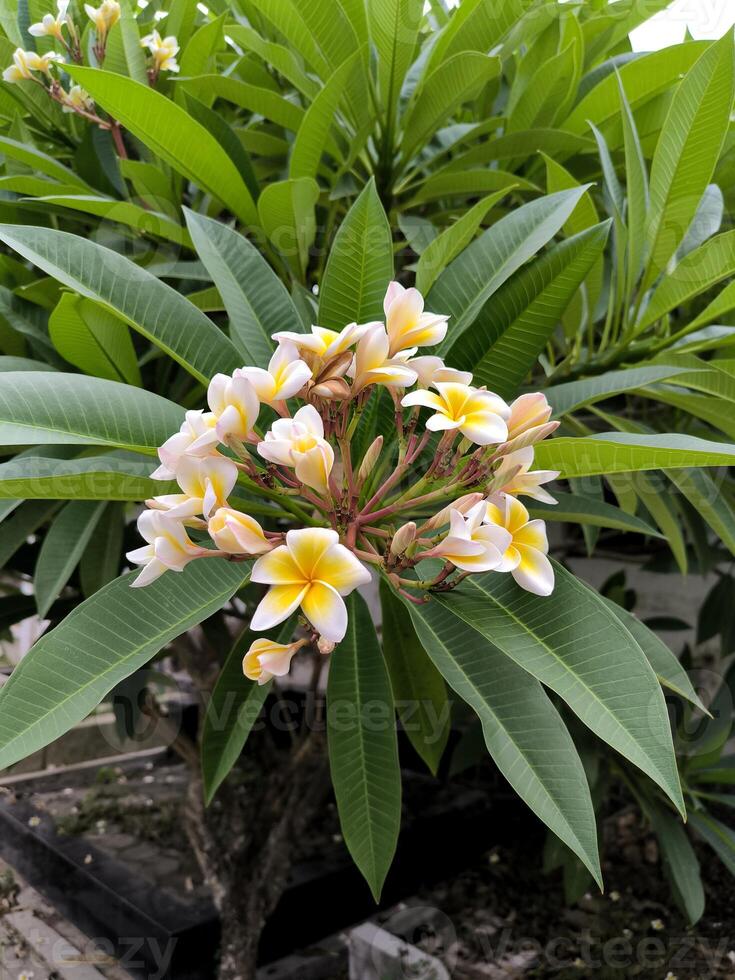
[350,453]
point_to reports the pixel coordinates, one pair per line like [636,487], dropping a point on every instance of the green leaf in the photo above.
[363,749]
[514,326]
[286,209]
[688,149]
[447,245]
[285,60]
[572,395]
[697,272]
[39,407]
[418,687]
[152,308]
[141,220]
[575,508]
[459,79]
[465,286]
[393,26]
[100,643]
[105,477]
[37,160]
[665,663]
[62,548]
[100,562]
[471,183]
[720,837]
[678,857]
[636,187]
[26,520]
[577,648]
[262,101]
[171,133]
[709,501]
[523,731]
[320,117]
[91,338]
[360,265]
[123,51]
[23,364]
[623,452]
[642,79]
[232,710]
[256,300]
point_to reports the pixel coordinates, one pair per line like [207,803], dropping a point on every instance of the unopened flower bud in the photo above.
[462,504]
[403,537]
[369,460]
[335,389]
[325,646]
[336,367]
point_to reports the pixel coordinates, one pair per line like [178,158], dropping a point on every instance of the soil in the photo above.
[504,918]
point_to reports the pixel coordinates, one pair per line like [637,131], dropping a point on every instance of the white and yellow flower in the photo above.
[525,557]
[311,570]
[26,62]
[373,365]
[529,421]
[285,377]
[470,544]
[164,51]
[299,442]
[514,476]
[321,343]
[196,437]
[479,415]
[431,369]
[237,533]
[206,485]
[50,26]
[168,547]
[234,405]
[103,17]
[406,322]
[267,659]
[75,99]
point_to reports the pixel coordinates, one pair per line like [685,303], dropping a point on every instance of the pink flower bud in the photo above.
[403,537]
[370,459]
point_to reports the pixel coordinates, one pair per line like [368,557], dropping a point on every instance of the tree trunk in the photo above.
[244,840]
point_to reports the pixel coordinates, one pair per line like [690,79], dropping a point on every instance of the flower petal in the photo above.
[339,568]
[277,567]
[307,545]
[277,605]
[534,572]
[325,609]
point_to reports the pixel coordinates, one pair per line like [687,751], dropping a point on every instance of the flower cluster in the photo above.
[30,66]
[446,490]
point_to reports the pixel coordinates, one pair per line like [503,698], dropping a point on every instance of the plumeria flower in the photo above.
[514,476]
[529,421]
[103,17]
[267,659]
[406,322]
[479,415]
[237,533]
[169,547]
[322,344]
[525,558]
[235,406]
[196,437]
[24,64]
[311,570]
[470,544]
[164,51]
[374,366]
[50,26]
[431,369]
[300,442]
[286,375]
[206,485]
[76,98]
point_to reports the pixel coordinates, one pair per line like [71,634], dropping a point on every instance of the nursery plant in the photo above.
[354,432]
